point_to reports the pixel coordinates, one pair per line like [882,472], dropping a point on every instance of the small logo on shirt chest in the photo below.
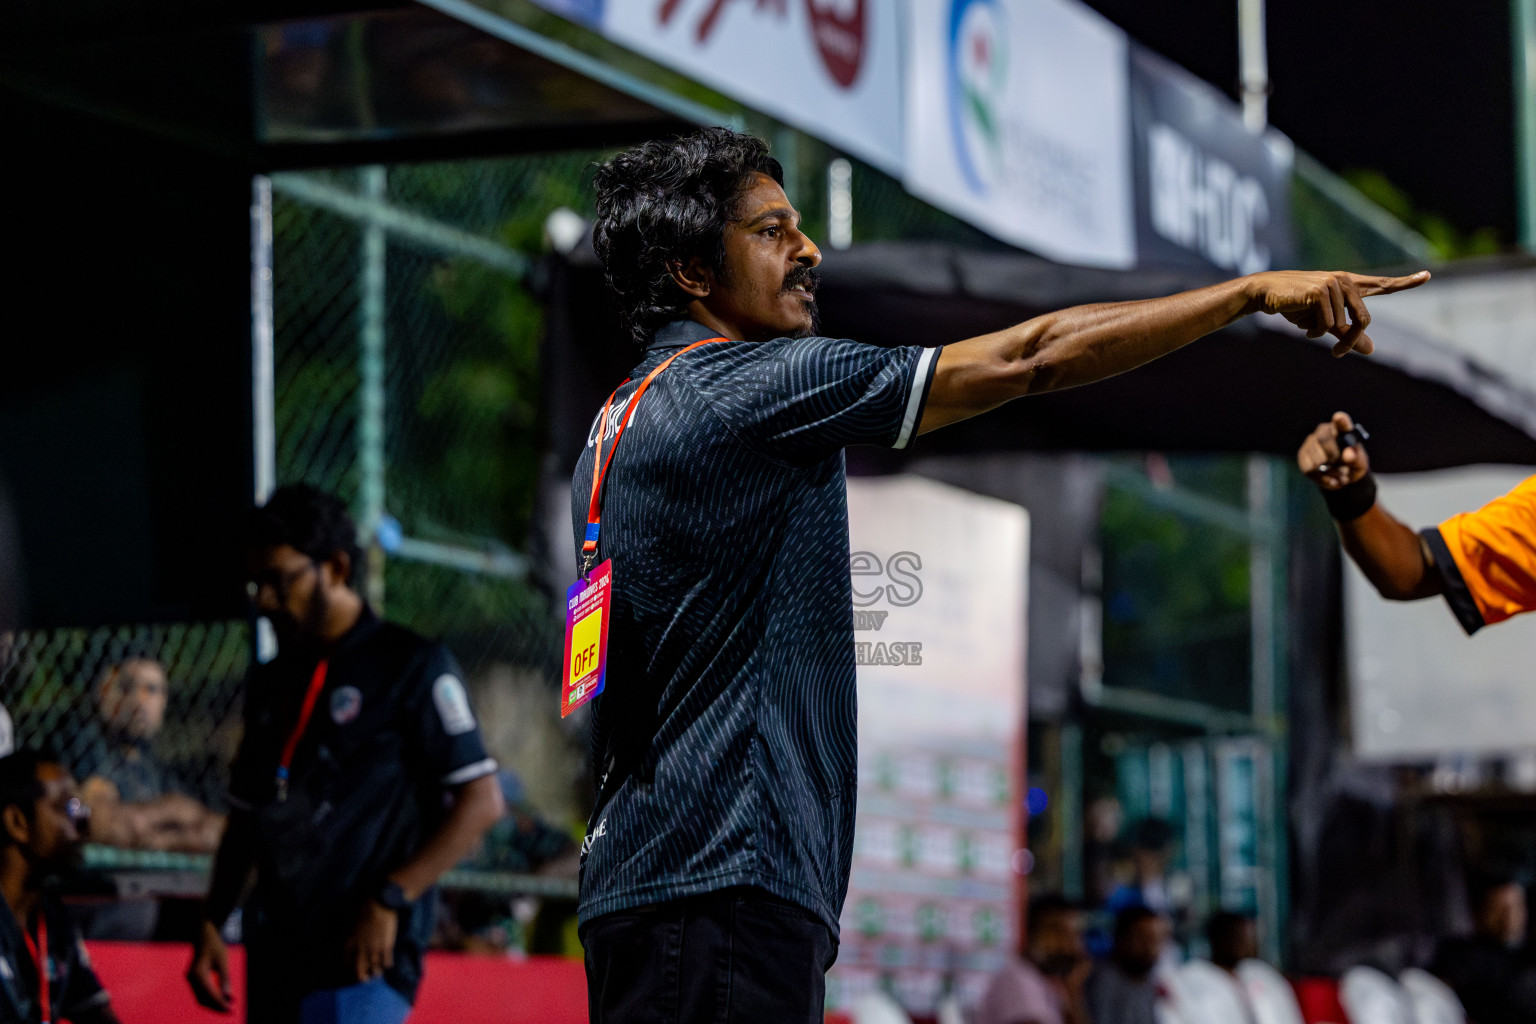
[346,704]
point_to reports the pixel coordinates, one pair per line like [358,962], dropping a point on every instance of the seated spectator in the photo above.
[1488,969]
[520,843]
[1233,937]
[1122,990]
[1044,985]
[1151,851]
[137,800]
[1101,830]
[45,974]
[1154,886]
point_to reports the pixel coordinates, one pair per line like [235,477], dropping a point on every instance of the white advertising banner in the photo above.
[1018,121]
[1420,688]
[939,575]
[939,589]
[829,67]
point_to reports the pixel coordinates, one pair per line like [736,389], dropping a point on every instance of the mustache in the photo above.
[801,277]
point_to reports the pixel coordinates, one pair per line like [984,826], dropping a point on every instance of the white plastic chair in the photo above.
[949,1010]
[1199,992]
[1432,1000]
[878,1008]
[1270,996]
[1371,997]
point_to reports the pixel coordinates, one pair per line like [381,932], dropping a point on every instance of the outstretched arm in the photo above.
[1390,553]
[1088,343]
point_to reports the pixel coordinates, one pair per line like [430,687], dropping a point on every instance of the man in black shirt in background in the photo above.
[361,778]
[1490,970]
[716,861]
[45,973]
[1122,989]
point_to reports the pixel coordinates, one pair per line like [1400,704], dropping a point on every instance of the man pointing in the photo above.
[710,500]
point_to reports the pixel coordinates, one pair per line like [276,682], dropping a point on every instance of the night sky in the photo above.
[1420,91]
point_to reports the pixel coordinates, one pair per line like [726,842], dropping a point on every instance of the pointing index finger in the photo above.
[1388,285]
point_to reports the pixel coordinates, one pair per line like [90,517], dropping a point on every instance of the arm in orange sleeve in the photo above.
[1487,559]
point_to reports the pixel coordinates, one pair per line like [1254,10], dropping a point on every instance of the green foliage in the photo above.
[462,384]
[1176,595]
[465,464]
[1449,243]
[483,618]
[315,299]
[1327,236]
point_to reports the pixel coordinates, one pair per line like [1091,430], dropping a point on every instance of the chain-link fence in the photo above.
[405,378]
[57,682]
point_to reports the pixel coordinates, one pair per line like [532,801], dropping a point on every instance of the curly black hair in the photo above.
[310,520]
[666,200]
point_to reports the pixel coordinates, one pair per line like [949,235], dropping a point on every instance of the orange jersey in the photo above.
[1494,556]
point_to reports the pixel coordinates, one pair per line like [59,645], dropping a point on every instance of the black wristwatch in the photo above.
[391,897]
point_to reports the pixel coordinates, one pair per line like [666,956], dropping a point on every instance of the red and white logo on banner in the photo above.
[838,27]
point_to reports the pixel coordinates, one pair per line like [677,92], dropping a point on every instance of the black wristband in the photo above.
[391,897]
[1353,500]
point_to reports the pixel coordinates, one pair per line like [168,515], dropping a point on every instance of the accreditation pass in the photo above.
[587,607]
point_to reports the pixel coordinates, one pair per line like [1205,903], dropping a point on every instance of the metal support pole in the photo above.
[1069,810]
[1253,63]
[1261,578]
[370,413]
[840,204]
[263,370]
[1267,582]
[401,225]
[263,374]
[1199,861]
[1524,36]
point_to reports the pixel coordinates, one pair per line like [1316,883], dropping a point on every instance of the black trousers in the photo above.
[737,956]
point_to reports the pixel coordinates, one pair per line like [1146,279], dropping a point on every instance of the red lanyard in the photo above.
[600,467]
[39,951]
[316,684]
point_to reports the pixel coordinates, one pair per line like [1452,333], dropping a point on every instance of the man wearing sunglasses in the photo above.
[45,972]
[360,779]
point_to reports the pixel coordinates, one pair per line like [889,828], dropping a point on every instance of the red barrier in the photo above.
[1318,999]
[147,984]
